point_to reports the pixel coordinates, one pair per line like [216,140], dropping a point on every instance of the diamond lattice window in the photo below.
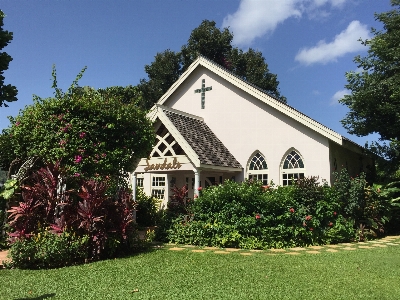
[166,145]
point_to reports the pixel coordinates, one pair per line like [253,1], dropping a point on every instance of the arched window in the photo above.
[292,167]
[257,168]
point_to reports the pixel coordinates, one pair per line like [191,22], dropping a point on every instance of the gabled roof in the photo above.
[198,141]
[255,92]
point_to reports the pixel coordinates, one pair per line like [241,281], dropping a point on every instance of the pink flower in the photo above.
[17,123]
[334,213]
[199,188]
[78,159]
[103,155]
[330,224]
[258,216]
[82,135]
[195,196]
[308,218]
[77,175]
[304,224]
[311,229]
[291,210]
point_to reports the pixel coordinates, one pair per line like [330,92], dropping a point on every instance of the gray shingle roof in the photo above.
[210,150]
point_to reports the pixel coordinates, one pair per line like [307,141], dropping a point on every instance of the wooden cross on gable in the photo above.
[203,91]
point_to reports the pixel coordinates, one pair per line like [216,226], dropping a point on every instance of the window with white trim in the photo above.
[158,184]
[292,168]
[258,169]
[139,180]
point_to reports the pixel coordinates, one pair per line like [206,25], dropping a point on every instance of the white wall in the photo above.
[245,124]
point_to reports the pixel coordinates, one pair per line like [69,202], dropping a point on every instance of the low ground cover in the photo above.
[165,274]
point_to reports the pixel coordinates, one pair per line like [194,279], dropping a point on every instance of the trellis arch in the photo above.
[166,145]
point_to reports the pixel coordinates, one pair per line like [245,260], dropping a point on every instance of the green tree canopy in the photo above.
[93,133]
[374,101]
[162,73]
[215,44]
[8,93]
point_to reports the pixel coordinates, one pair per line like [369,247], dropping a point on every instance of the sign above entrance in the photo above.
[165,165]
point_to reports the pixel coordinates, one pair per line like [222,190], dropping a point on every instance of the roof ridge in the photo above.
[201,57]
[179,112]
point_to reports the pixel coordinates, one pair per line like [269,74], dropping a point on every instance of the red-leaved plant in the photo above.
[92,210]
[40,196]
[46,205]
[177,202]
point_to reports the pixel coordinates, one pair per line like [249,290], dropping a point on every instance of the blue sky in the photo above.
[309,44]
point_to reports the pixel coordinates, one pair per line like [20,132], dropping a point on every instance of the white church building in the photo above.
[212,126]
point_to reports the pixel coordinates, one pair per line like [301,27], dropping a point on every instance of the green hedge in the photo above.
[248,215]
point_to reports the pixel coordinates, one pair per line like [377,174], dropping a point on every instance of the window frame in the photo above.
[291,172]
[260,174]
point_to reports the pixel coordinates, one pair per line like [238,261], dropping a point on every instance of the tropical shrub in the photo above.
[146,209]
[249,215]
[45,250]
[89,212]
[367,206]
[178,207]
[90,132]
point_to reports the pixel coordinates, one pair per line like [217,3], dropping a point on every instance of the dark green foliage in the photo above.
[179,207]
[374,101]
[92,133]
[8,93]
[162,73]
[209,41]
[146,209]
[248,215]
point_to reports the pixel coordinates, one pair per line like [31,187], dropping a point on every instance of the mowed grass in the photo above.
[165,274]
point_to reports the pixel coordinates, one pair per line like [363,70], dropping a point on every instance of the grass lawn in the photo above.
[164,274]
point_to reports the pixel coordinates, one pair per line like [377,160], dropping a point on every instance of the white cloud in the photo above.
[345,42]
[256,18]
[339,95]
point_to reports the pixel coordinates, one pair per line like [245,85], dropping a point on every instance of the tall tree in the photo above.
[8,93]
[162,73]
[207,40]
[374,101]
[215,44]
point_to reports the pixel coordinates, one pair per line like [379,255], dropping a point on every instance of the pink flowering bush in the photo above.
[89,131]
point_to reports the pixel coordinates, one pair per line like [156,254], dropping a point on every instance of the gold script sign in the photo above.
[163,166]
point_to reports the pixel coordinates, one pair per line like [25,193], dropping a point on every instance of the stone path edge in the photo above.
[334,248]
[389,241]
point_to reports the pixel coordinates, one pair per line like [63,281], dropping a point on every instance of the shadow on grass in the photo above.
[45,296]
[151,247]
